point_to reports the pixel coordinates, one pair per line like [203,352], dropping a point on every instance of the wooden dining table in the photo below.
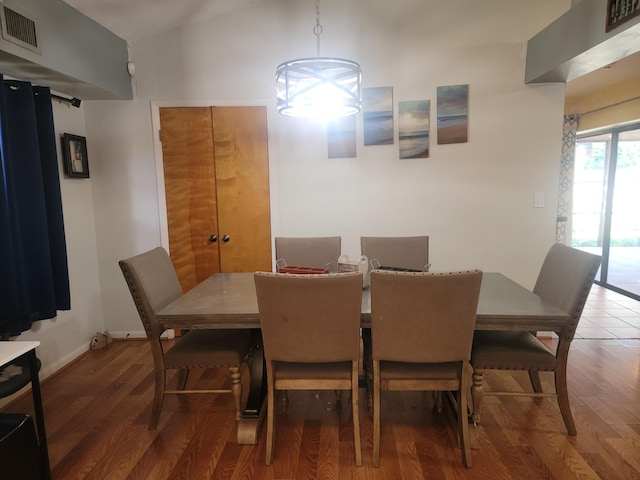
[228,300]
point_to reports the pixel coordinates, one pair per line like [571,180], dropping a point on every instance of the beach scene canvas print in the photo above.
[341,137]
[453,118]
[413,127]
[377,115]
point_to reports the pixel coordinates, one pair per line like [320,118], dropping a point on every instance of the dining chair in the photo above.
[422,327]
[564,280]
[410,253]
[153,284]
[309,251]
[310,330]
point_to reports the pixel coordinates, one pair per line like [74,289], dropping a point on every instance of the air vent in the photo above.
[18,29]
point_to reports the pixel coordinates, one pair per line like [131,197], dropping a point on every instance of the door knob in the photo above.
[226,238]
[213,239]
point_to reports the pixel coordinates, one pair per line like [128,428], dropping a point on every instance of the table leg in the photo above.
[253,415]
[37,403]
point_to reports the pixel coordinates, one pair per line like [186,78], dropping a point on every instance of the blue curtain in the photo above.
[34,277]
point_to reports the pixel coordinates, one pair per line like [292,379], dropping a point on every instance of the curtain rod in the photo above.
[617,104]
[75,102]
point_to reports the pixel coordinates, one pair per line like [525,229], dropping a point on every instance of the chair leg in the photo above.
[376,413]
[270,416]
[236,390]
[476,394]
[158,397]
[183,375]
[437,398]
[355,414]
[463,420]
[563,400]
[534,377]
[367,365]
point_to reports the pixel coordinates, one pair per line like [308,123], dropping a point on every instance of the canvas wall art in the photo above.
[413,128]
[377,115]
[341,137]
[452,115]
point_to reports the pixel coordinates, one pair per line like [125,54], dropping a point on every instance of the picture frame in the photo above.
[74,152]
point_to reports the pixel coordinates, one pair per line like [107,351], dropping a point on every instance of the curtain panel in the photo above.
[34,277]
[567,168]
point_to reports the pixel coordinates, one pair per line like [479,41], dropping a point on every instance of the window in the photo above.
[606,197]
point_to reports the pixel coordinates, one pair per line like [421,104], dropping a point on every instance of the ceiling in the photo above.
[625,69]
[132,20]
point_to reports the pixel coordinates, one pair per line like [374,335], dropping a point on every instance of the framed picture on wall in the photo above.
[74,152]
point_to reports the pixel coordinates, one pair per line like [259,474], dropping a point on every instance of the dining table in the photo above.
[228,301]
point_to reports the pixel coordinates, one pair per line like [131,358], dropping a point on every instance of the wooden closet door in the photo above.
[242,185]
[189,179]
[216,169]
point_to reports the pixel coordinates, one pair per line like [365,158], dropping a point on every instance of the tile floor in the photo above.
[609,314]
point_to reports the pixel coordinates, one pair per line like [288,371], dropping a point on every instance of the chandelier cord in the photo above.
[317,29]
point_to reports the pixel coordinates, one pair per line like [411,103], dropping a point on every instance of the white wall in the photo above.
[475,200]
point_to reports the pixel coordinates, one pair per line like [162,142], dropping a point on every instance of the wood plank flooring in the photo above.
[97,409]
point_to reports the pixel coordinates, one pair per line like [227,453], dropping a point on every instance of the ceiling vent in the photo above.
[18,29]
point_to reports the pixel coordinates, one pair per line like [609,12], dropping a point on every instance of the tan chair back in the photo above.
[423,317]
[565,279]
[153,283]
[309,251]
[401,252]
[310,318]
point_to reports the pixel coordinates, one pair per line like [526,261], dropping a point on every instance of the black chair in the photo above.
[22,455]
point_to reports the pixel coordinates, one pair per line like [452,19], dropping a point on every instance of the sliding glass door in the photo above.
[606,205]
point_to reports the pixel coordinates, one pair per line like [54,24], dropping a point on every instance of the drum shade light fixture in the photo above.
[318,86]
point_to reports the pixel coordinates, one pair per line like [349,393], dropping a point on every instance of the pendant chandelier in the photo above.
[319,86]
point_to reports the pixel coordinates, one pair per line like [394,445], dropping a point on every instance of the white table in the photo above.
[12,350]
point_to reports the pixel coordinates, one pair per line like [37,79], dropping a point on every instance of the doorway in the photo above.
[606,196]
[215,181]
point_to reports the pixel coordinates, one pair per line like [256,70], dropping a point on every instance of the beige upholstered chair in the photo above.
[309,251]
[153,284]
[410,253]
[564,280]
[310,330]
[422,326]
[401,252]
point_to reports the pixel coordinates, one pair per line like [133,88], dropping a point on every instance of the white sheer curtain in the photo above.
[565,190]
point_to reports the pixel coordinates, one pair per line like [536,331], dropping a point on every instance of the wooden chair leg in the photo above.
[367,365]
[355,414]
[463,420]
[183,375]
[534,377]
[270,417]
[376,413]
[476,394]
[437,398]
[236,390]
[563,400]
[284,398]
[158,397]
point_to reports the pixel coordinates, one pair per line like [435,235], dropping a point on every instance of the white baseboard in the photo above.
[139,334]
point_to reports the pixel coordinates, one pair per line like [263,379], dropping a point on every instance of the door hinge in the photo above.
[160,135]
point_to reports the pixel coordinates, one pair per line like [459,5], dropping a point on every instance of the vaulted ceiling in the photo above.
[136,19]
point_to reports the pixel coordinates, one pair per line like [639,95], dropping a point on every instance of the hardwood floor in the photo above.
[97,410]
